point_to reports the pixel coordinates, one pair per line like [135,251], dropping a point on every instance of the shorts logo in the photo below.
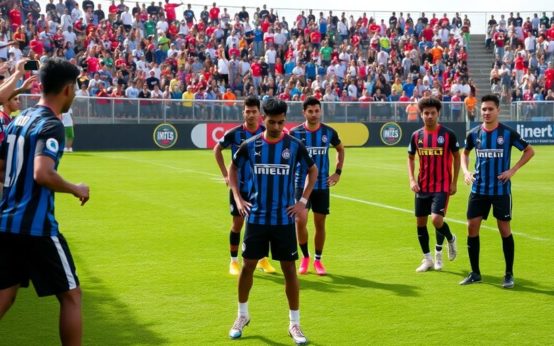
[324,139]
[500,140]
[232,208]
[391,133]
[285,154]
[165,135]
[52,145]
[440,140]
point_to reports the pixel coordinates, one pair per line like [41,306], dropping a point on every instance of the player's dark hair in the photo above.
[252,101]
[273,106]
[310,101]
[55,74]
[429,102]
[491,98]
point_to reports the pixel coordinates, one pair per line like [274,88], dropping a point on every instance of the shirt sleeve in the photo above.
[335,140]
[241,155]
[517,141]
[469,142]
[50,141]
[454,145]
[412,146]
[226,140]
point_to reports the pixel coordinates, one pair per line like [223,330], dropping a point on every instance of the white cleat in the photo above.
[426,264]
[452,249]
[438,260]
[238,326]
[296,334]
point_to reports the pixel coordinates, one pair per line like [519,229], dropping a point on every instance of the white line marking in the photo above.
[375,204]
[461,222]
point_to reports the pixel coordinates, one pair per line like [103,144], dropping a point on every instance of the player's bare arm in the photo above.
[221,162]
[300,206]
[414,186]
[45,174]
[455,173]
[528,153]
[335,177]
[242,205]
[468,175]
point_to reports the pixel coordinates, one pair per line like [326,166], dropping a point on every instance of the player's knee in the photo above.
[71,297]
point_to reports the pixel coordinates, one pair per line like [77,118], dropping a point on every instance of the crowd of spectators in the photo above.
[144,51]
[523,68]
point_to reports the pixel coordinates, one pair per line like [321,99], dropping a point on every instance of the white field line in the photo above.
[461,222]
[374,204]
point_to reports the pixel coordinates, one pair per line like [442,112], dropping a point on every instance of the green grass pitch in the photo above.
[151,248]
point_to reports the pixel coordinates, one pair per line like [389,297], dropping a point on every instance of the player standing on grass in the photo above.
[317,137]
[234,138]
[437,148]
[273,157]
[31,246]
[493,143]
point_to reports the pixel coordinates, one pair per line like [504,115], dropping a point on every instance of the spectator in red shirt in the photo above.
[170,11]
[214,14]
[36,46]
[15,17]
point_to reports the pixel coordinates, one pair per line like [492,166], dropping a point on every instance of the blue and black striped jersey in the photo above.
[273,166]
[317,143]
[28,208]
[492,150]
[234,138]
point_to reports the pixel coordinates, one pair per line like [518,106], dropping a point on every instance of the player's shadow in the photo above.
[262,340]
[522,285]
[336,283]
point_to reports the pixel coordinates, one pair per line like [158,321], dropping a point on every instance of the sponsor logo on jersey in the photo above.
[165,135]
[317,151]
[489,153]
[391,133]
[52,145]
[271,169]
[435,151]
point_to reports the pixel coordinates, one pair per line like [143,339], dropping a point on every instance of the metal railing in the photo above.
[105,110]
[532,111]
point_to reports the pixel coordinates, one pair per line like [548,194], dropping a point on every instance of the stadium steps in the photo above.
[480,60]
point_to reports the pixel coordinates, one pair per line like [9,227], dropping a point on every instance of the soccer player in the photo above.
[438,150]
[31,246]
[273,157]
[317,137]
[491,181]
[234,138]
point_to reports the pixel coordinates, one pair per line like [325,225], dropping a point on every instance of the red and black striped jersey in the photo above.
[434,149]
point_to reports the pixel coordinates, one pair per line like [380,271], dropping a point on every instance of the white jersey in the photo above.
[67,120]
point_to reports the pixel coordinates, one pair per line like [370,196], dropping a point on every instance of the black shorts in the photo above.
[233,204]
[259,238]
[318,201]
[480,205]
[431,202]
[46,261]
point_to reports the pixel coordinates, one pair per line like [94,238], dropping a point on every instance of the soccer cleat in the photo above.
[319,268]
[426,264]
[264,265]
[438,260]
[452,249]
[472,278]
[234,268]
[296,334]
[304,264]
[508,281]
[236,329]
